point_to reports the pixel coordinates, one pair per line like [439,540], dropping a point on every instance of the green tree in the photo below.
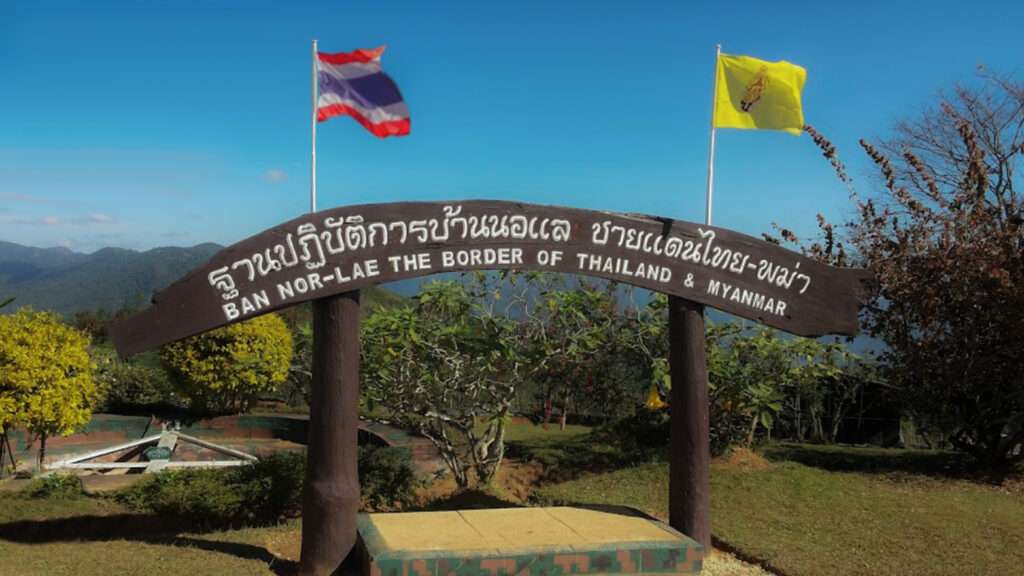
[46,376]
[225,369]
[571,333]
[131,385]
[447,367]
[299,384]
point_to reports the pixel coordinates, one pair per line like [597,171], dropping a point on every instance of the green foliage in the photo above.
[752,374]
[645,435]
[129,385]
[46,375]
[56,486]
[443,367]
[224,370]
[298,386]
[209,497]
[577,346]
[264,492]
[95,323]
[254,494]
[386,477]
[273,485]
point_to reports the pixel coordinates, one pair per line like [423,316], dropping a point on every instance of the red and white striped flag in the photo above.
[352,84]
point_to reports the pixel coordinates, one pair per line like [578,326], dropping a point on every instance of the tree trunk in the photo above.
[565,410]
[799,418]
[548,402]
[4,448]
[492,453]
[331,492]
[451,458]
[834,433]
[42,452]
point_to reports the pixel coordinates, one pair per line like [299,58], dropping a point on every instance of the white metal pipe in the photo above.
[711,145]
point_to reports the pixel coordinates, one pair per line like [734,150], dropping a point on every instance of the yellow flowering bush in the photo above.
[224,370]
[46,375]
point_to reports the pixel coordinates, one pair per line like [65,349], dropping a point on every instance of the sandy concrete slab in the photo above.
[511,528]
[515,528]
[427,531]
[598,527]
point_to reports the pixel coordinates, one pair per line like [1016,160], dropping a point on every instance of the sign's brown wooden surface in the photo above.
[351,247]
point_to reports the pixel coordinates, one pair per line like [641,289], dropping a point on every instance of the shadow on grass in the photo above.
[719,544]
[146,528]
[465,500]
[884,461]
[568,459]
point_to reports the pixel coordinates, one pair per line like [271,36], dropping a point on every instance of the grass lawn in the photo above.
[803,511]
[91,536]
[804,520]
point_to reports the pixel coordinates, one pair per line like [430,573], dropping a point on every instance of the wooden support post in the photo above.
[689,502]
[331,497]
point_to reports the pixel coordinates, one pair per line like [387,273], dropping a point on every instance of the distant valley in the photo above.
[67,282]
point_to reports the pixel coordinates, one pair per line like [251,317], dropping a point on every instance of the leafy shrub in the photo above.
[60,486]
[264,492]
[261,493]
[46,376]
[274,484]
[226,369]
[386,477]
[208,497]
[644,435]
[128,385]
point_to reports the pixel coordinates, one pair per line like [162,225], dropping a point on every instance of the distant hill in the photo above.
[66,282]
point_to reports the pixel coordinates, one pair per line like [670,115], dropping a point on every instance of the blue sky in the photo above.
[142,124]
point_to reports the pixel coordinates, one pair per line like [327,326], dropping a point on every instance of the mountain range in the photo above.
[110,279]
[66,282]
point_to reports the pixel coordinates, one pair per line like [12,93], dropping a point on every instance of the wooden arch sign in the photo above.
[352,247]
[328,256]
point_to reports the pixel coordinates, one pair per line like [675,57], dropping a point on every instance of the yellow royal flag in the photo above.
[760,95]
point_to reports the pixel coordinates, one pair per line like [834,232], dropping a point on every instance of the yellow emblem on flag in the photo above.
[760,95]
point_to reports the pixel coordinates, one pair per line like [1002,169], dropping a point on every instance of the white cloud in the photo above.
[16,197]
[275,175]
[56,221]
[94,218]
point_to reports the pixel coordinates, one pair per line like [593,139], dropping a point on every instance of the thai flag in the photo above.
[352,84]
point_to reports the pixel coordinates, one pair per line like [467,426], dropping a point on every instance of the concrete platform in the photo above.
[524,542]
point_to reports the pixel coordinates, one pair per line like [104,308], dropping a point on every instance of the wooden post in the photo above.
[689,501]
[331,496]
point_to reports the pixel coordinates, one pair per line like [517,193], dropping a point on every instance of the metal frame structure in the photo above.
[165,439]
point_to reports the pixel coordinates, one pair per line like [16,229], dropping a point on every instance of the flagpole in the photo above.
[312,167]
[711,146]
